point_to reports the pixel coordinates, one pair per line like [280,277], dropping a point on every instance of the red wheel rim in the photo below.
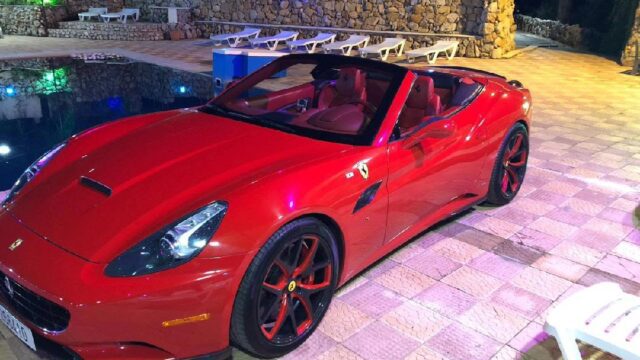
[295,289]
[514,165]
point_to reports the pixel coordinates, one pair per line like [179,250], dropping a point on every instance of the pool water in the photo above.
[43,101]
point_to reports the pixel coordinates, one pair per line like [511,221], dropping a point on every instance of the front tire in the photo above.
[287,289]
[510,167]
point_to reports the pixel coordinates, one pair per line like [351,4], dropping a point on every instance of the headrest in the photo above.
[421,92]
[467,81]
[466,88]
[351,82]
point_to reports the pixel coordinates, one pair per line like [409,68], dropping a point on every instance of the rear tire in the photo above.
[287,289]
[510,167]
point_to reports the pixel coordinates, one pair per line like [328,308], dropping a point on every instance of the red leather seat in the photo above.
[350,88]
[422,102]
[340,106]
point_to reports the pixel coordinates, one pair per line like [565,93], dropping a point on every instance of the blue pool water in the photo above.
[43,101]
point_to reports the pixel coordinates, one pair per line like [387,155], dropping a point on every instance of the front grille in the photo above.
[41,312]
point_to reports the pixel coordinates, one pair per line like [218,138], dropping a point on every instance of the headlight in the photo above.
[31,172]
[171,247]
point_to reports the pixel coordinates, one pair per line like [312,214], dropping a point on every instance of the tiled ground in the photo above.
[479,286]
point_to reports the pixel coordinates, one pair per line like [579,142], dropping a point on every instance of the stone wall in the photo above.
[491,21]
[30,19]
[498,28]
[54,14]
[629,52]
[76,6]
[98,30]
[22,20]
[572,35]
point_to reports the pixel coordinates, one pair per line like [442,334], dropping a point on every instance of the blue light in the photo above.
[10,90]
[182,89]
[114,102]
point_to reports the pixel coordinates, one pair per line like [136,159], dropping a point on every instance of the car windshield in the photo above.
[328,97]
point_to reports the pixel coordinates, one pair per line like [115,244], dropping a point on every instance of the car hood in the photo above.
[157,169]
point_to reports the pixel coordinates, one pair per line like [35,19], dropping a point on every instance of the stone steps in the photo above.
[108,31]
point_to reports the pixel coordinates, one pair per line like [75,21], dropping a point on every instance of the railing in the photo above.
[334,29]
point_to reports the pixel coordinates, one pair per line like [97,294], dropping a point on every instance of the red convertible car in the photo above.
[178,234]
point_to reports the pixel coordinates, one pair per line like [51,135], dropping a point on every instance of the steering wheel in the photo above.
[368,107]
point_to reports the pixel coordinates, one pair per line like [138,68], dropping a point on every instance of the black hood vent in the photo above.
[95,185]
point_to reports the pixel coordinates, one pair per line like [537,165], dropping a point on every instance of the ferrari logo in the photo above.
[292,286]
[364,170]
[15,244]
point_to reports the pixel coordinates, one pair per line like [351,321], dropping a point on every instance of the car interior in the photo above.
[345,100]
[435,95]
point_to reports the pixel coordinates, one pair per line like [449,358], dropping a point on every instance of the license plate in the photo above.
[19,329]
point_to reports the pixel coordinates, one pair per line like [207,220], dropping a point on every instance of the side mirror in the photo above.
[438,129]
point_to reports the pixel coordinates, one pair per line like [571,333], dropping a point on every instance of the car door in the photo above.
[430,168]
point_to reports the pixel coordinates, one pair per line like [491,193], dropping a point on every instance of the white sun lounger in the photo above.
[272,41]
[234,39]
[449,48]
[601,315]
[310,45]
[122,15]
[92,12]
[354,41]
[130,12]
[384,48]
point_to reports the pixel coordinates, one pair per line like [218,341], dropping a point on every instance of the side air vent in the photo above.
[367,196]
[95,185]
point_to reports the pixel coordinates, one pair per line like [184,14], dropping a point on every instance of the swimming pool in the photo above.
[43,101]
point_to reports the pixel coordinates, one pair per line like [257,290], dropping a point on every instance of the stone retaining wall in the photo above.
[96,30]
[572,35]
[629,53]
[76,6]
[491,21]
[30,19]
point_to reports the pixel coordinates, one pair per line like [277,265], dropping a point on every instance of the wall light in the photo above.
[4,150]
[10,90]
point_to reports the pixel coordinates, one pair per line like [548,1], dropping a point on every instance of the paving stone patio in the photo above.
[479,286]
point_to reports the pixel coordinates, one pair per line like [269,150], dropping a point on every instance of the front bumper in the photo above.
[122,317]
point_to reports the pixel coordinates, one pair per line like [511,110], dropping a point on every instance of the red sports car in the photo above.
[180,233]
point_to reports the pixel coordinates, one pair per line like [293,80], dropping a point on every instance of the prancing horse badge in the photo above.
[364,170]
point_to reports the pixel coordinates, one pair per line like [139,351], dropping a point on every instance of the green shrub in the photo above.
[32,2]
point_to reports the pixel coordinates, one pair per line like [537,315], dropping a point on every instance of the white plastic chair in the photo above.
[601,315]
[385,48]
[345,47]
[234,39]
[272,41]
[310,45]
[92,12]
[449,48]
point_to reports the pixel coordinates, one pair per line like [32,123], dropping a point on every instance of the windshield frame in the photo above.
[397,75]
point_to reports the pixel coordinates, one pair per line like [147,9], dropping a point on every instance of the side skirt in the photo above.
[420,228]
